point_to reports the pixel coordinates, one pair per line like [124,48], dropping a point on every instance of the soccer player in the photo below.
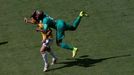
[46,43]
[47,39]
[60,26]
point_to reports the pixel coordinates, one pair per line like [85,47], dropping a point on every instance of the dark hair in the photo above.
[38,15]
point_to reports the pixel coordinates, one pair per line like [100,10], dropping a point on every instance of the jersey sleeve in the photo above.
[45,27]
[45,24]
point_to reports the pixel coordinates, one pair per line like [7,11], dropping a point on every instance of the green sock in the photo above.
[76,22]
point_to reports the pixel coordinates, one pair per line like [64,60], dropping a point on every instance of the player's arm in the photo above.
[30,20]
[43,29]
[39,29]
[48,33]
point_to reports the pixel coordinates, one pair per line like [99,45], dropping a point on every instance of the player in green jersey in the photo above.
[60,26]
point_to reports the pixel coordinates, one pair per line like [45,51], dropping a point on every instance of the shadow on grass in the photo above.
[84,61]
[2,43]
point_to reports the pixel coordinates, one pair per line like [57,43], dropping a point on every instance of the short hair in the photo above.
[38,15]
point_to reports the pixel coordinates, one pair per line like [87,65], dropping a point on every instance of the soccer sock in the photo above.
[76,22]
[52,54]
[44,55]
[53,57]
[66,46]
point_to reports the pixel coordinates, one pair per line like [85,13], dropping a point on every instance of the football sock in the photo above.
[52,54]
[44,55]
[76,22]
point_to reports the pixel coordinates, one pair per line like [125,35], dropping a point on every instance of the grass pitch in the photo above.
[105,38]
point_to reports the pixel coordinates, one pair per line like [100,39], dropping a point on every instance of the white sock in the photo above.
[52,54]
[44,56]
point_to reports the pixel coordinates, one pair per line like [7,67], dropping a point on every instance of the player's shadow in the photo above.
[85,61]
[2,43]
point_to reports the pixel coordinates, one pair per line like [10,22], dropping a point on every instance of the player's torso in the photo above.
[44,34]
[50,22]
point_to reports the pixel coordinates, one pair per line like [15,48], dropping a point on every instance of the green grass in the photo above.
[105,38]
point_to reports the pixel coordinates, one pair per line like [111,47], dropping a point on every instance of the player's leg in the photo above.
[76,22]
[60,33]
[54,58]
[67,46]
[61,43]
[49,43]
[44,56]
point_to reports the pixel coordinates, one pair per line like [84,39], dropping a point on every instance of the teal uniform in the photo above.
[60,26]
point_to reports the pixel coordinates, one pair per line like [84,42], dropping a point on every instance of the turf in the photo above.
[104,39]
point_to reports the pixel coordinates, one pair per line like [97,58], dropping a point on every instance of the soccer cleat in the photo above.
[74,52]
[82,13]
[45,68]
[54,60]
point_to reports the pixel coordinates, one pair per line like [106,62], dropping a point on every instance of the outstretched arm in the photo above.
[30,20]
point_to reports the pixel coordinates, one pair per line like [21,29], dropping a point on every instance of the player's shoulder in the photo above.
[45,19]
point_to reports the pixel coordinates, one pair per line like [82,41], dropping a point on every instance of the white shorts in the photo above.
[48,42]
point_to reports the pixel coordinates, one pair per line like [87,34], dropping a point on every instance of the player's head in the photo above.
[37,15]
